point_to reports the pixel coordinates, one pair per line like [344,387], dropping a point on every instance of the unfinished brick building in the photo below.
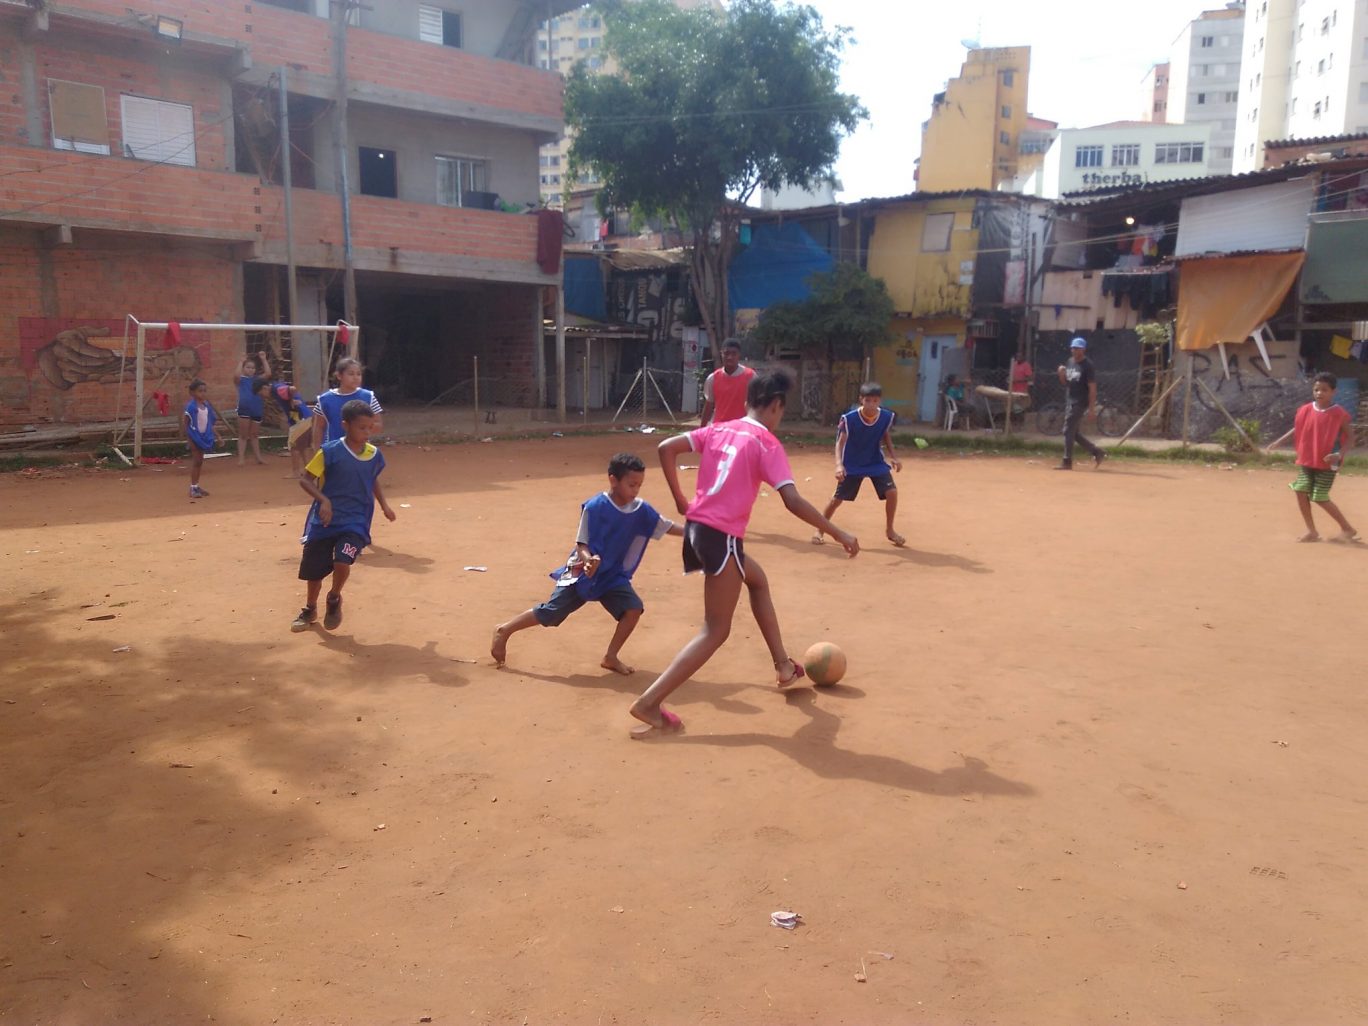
[141,173]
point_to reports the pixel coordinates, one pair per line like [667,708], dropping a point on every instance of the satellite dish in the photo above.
[970,44]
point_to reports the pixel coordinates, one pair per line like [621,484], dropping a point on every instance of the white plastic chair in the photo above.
[951,413]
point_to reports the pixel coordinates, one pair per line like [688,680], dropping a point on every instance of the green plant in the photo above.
[1231,441]
[1152,333]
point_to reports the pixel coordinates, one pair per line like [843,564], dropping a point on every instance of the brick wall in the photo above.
[204,93]
[452,74]
[48,186]
[277,36]
[94,286]
[378,224]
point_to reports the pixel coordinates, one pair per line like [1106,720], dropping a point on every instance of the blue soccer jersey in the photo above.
[619,538]
[199,425]
[864,443]
[330,405]
[348,481]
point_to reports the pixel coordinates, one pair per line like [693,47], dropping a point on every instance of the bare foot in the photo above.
[1347,538]
[1309,536]
[817,539]
[664,721]
[895,538]
[617,666]
[261,462]
[498,647]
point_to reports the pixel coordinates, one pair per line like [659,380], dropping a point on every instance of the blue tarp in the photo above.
[775,266]
[584,291]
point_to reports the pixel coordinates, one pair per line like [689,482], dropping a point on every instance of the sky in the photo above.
[1087,60]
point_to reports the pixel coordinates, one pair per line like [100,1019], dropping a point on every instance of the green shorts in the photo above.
[1315,483]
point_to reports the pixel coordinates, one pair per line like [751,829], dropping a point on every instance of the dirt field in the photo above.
[1099,758]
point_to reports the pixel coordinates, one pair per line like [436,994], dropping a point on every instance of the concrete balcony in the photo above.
[53,188]
[404,238]
[382,69]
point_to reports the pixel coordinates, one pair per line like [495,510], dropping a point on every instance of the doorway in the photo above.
[933,349]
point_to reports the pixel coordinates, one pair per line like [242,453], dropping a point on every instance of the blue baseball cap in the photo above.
[1079,343]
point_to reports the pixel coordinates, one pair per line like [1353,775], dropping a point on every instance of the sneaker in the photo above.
[306,617]
[196,492]
[332,619]
[1098,457]
[1065,465]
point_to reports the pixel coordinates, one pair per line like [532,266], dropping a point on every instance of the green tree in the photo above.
[705,108]
[848,312]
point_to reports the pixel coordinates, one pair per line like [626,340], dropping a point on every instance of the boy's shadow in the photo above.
[397,660]
[391,560]
[878,546]
[814,747]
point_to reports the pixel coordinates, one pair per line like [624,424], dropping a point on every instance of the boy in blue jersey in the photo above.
[298,423]
[615,527]
[200,423]
[344,479]
[864,436]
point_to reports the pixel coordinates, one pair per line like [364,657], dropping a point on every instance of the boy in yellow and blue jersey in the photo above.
[344,479]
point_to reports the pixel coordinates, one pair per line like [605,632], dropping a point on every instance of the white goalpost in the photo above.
[353,333]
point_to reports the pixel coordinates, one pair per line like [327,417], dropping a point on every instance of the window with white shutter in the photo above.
[436,25]
[158,130]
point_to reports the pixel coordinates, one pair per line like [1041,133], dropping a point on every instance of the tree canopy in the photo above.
[848,312]
[701,110]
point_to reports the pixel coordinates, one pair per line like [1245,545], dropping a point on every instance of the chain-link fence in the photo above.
[654,394]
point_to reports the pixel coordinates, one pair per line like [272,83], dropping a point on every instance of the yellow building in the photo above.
[924,251]
[972,139]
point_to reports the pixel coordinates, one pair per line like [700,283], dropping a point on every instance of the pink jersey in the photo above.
[734,458]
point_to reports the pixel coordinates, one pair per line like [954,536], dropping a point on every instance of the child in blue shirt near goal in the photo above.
[344,479]
[615,528]
[864,449]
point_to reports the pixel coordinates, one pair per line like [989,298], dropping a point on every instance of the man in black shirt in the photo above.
[1080,382]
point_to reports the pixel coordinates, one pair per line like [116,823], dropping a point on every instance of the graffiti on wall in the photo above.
[1248,388]
[56,355]
[648,300]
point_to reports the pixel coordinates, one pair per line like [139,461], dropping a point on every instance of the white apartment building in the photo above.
[1304,74]
[1122,154]
[1204,79]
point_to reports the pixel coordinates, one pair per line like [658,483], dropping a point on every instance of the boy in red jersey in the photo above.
[1323,435]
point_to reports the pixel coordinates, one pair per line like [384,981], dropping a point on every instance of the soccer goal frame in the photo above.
[139,329]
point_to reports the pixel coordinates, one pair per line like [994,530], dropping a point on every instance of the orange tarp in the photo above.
[1224,299]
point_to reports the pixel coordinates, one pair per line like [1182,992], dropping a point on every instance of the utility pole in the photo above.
[286,155]
[340,10]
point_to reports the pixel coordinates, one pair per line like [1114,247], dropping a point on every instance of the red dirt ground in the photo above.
[1099,757]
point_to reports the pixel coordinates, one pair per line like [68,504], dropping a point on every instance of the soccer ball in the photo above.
[824,663]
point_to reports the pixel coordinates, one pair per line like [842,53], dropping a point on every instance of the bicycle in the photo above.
[1112,421]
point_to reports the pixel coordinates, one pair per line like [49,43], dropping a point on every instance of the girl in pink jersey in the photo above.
[735,457]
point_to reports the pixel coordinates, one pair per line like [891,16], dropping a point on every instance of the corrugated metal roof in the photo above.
[1320,140]
[1213,183]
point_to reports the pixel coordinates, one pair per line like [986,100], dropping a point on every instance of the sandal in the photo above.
[798,673]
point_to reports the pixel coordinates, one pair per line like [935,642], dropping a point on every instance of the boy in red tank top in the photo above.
[724,390]
[1323,436]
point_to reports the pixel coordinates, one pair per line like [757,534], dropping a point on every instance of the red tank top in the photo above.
[729,394]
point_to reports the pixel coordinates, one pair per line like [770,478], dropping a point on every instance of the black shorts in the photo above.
[249,415]
[321,553]
[849,486]
[708,549]
[567,598]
